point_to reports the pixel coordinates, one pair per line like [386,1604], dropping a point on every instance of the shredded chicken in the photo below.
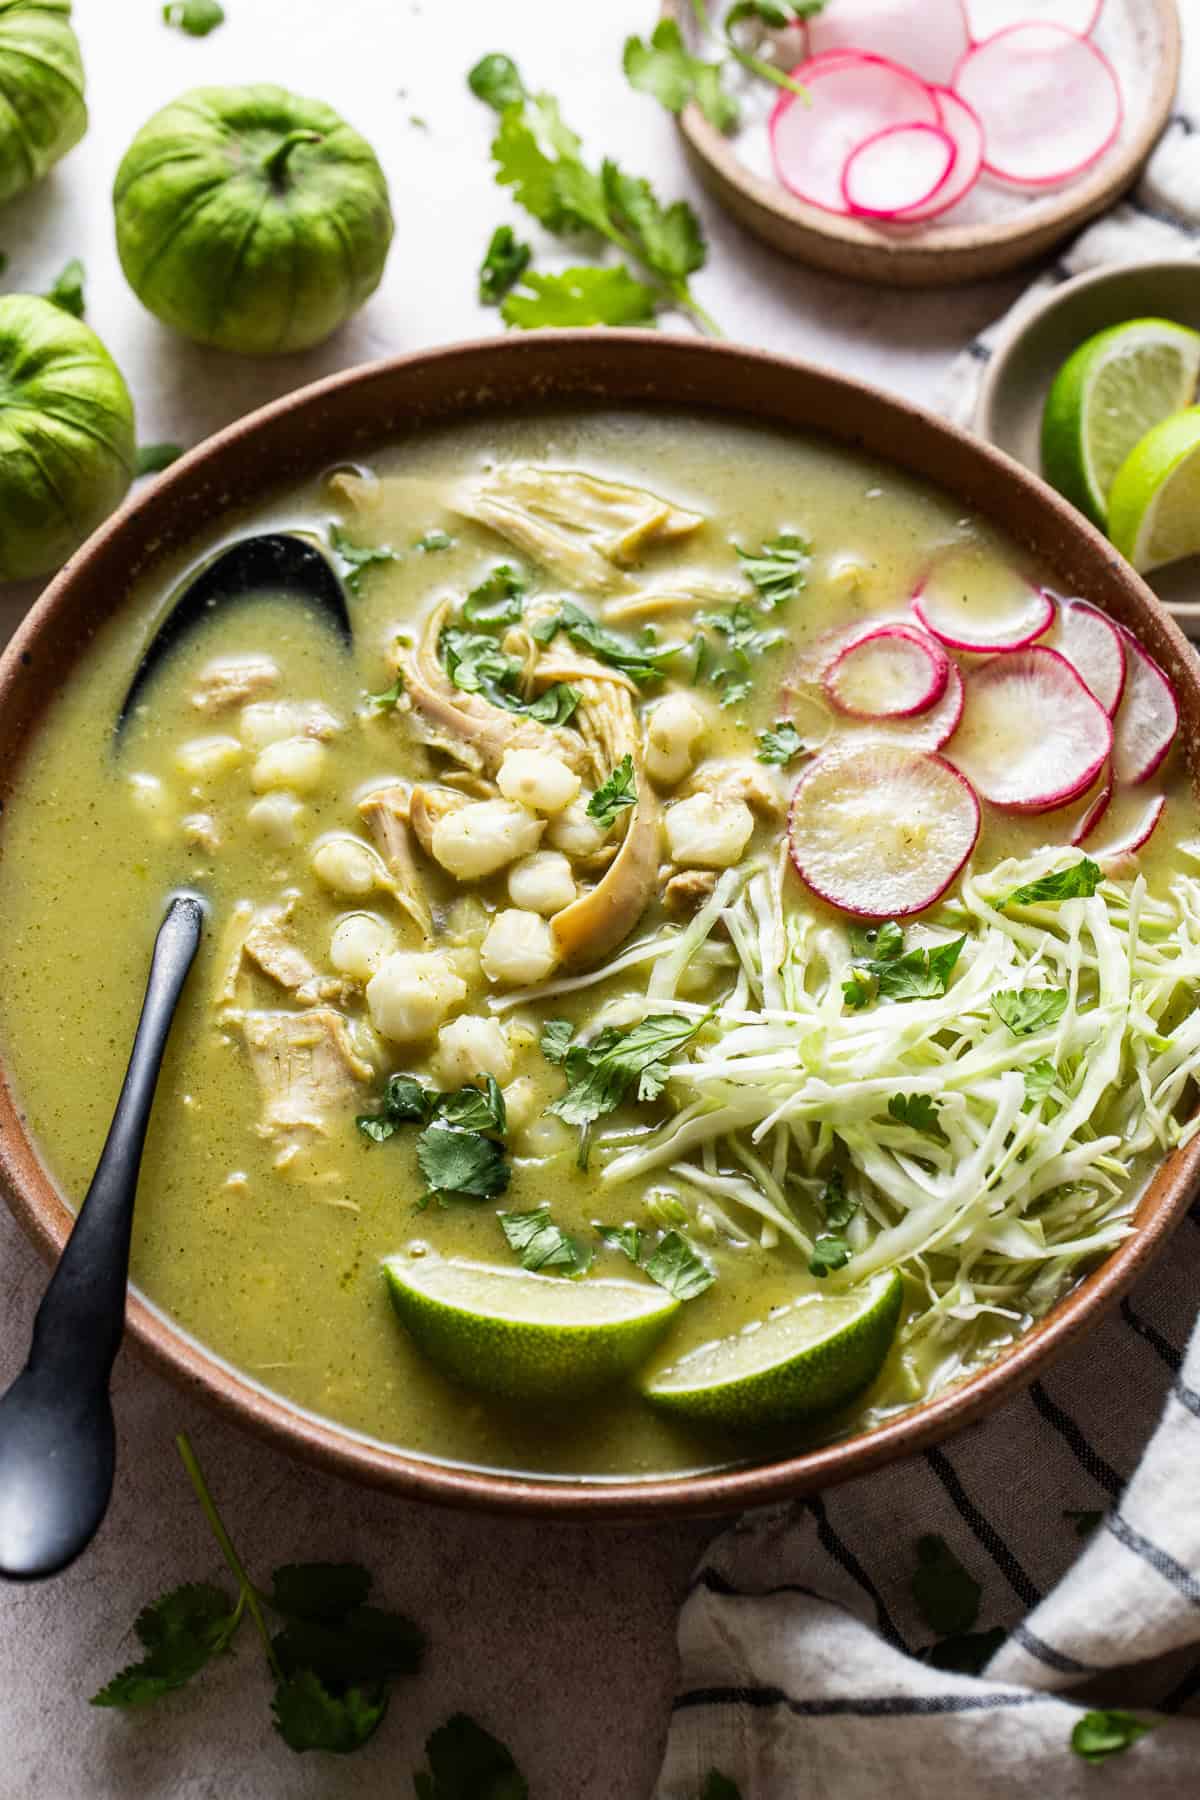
[426,805]
[750,782]
[387,813]
[308,1072]
[688,889]
[582,529]
[682,593]
[258,937]
[232,680]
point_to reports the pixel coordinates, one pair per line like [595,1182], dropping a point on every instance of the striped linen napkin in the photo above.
[809,1671]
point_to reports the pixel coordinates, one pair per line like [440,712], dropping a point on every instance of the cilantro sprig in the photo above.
[459,1151]
[613,1066]
[541,1244]
[468,1763]
[331,1662]
[539,157]
[830,1249]
[780,745]
[356,559]
[613,795]
[665,68]
[643,661]
[884,970]
[476,662]
[777,569]
[1026,1011]
[1080,879]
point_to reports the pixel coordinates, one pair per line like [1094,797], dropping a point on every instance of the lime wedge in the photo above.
[1106,397]
[527,1337]
[1154,507]
[805,1358]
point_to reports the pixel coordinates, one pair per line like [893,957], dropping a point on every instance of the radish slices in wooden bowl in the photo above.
[1023,703]
[909,106]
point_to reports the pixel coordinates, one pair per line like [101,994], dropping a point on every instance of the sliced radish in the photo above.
[928,38]
[1133,820]
[904,167]
[963,127]
[1148,717]
[1097,805]
[984,608]
[1032,735]
[1049,102]
[889,673]
[924,731]
[852,97]
[986,17]
[1091,643]
[881,831]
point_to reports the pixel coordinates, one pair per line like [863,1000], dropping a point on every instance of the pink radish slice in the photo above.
[982,610]
[890,673]
[881,831]
[924,731]
[986,17]
[1032,735]
[960,124]
[897,169]
[851,98]
[1147,719]
[928,37]
[1049,103]
[1133,820]
[1091,643]
[1096,808]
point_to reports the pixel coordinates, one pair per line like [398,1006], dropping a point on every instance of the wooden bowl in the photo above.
[941,255]
[346,416]
[1026,359]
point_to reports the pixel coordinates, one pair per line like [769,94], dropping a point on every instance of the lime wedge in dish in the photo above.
[525,1336]
[806,1358]
[1106,397]
[1154,508]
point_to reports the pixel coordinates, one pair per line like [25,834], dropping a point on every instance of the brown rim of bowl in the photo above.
[346,413]
[943,255]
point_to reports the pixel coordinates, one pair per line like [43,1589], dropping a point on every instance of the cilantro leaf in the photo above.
[719,1787]
[1082,878]
[641,662]
[675,1266]
[895,974]
[497,600]
[67,291]
[665,68]
[196,17]
[829,1252]
[919,1112]
[309,1717]
[1040,1077]
[667,238]
[587,295]
[496,81]
[780,746]
[556,705]
[462,1162]
[880,943]
[475,663]
[405,1101]
[556,1039]
[836,1204]
[966,1652]
[152,459]
[614,794]
[627,1238]
[1084,1519]
[180,1634]
[366,1644]
[1029,1010]
[388,699]
[468,1763]
[475,1109]
[1099,1735]
[319,1590]
[356,558]
[433,540]
[777,568]
[734,672]
[541,1244]
[504,262]
[947,1597]
[603,1073]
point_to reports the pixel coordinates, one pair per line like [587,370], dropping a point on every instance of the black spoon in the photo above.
[277,562]
[57,1442]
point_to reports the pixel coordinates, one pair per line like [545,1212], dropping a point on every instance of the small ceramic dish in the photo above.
[1027,358]
[1147,47]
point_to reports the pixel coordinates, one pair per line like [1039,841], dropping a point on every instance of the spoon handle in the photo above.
[81,1320]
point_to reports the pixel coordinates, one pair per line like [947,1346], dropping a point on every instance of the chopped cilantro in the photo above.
[541,1244]
[1099,1735]
[196,17]
[1082,878]
[829,1252]
[475,1109]
[496,81]
[1040,1077]
[836,1205]
[627,1238]
[555,705]
[614,795]
[468,1763]
[356,558]
[782,745]
[947,1597]
[433,540]
[643,662]
[603,1073]
[885,971]
[580,296]
[405,1101]
[678,1268]
[498,598]
[67,291]
[462,1162]
[454,1152]
[556,1039]
[389,698]
[1029,1010]
[152,459]
[665,68]
[504,262]
[919,1112]
[777,568]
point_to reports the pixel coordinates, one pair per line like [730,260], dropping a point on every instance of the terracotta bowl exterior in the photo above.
[348,415]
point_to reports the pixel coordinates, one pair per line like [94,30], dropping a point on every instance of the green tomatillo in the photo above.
[42,111]
[251,219]
[66,435]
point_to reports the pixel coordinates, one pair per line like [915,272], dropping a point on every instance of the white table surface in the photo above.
[559,1639]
